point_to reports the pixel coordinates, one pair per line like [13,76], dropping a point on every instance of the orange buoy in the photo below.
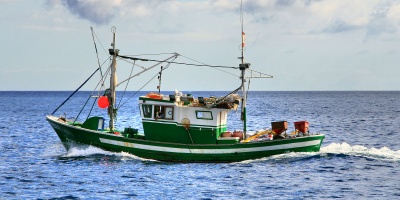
[103,102]
[226,134]
[238,134]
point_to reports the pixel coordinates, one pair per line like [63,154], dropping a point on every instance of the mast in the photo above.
[243,34]
[112,111]
[243,66]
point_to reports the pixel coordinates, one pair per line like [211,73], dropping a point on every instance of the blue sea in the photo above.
[359,158]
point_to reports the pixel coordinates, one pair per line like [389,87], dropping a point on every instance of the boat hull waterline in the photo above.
[175,152]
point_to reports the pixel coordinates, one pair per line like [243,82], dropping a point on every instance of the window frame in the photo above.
[202,117]
[162,108]
[147,114]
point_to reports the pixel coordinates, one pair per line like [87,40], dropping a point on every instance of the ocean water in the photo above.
[359,158]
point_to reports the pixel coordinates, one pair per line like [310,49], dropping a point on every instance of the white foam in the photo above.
[78,151]
[358,150]
[126,156]
[383,153]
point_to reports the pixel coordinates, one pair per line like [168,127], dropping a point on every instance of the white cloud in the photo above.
[283,16]
[99,12]
[311,35]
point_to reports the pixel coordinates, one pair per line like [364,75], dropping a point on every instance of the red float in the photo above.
[103,102]
[226,134]
[238,133]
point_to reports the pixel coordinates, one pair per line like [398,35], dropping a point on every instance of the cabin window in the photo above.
[204,115]
[147,110]
[164,112]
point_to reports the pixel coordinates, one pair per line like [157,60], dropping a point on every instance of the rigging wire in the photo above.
[168,64]
[100,43]
[126,86]
[76,118]
[99,68]
[179,63]
[166,67]
[75,91]
[97,54]
[148,54]
[99,91]
[138,90]
[91,95]
[146,69]
[205,64]
[153,54]
[103,78]
[133,63]
[91,109]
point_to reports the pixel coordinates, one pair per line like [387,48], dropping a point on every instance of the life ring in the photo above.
[170,112]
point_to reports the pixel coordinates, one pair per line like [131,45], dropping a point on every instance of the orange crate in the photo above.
[302,126]
[279,127]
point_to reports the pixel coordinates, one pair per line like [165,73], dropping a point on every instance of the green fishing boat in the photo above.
[181,128]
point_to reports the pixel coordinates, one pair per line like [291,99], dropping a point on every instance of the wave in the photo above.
[87,151]
[382,153]
[334,149]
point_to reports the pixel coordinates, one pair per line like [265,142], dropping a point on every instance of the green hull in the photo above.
[183,152]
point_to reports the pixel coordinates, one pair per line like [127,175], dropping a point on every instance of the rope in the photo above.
[190,136]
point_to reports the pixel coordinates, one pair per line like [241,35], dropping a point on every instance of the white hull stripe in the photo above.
[209,151]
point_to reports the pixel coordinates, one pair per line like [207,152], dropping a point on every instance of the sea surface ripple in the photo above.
[359,158]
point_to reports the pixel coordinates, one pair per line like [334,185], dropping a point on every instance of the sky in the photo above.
[306,45]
